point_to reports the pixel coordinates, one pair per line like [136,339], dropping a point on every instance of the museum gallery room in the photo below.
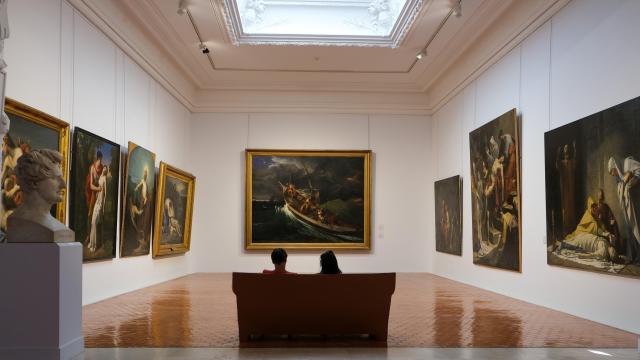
[320,179]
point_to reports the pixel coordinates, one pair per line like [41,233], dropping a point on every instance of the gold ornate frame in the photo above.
[250,245]
[40,118]
[167,170]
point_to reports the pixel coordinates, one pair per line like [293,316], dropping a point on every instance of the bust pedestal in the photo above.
[41,301]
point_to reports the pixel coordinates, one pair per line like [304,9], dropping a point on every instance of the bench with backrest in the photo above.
[344,304]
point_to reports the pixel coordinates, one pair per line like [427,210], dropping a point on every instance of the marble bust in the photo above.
[39,175]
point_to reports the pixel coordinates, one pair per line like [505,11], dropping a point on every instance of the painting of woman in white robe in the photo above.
[592,222]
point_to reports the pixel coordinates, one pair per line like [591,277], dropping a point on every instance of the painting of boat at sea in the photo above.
[307,199]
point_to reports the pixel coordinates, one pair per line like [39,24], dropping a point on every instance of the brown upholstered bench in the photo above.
[345,304]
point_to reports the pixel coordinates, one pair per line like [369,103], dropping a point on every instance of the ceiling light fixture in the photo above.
[457,10]
[421,54]
[182,7]
[205,50]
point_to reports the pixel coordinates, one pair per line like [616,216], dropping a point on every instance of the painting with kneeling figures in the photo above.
[95,175]
[307,199]
[174,209]
[495,193]
[593,192]
[449,215]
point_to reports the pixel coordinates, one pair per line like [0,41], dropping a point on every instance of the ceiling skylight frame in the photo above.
[400,28]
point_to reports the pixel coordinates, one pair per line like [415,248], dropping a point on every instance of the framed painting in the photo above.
[95,176]
[303,199]
[31,129]
[449,215]
[174,210]
[592,176]
[495,193]
[137,201]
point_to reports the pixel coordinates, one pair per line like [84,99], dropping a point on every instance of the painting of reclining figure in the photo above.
[449,215]
[495,193]
[593,192]
[307,199]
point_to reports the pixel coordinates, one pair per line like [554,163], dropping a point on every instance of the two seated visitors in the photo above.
[328,263]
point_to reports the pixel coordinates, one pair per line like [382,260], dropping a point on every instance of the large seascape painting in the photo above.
[137,201]
[449,215]
[31,129]
[95,174]
[593,192]
[308,199]
[495,193]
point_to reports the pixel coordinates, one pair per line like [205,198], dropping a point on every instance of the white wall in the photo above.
[585,59]
[402,190]
[61,64]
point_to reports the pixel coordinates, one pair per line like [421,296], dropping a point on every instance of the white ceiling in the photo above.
[253,77]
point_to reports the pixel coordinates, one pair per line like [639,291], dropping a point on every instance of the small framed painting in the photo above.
[448,195]
[174,211]
[307,199]
[30,129]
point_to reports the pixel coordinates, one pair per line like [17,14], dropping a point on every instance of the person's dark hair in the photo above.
[99,155]
[329,263]
[278,256]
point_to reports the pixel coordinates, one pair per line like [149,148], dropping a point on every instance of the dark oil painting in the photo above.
[30,130]
[449,215]
[495,193]
[308,199]
[137,201]
[593,191]
[95,175]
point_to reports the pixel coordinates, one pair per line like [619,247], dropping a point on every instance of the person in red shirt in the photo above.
[279,259]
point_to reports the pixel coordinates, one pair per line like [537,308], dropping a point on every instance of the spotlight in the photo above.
[421,54]
[204,48]
[457,11]
[182,7]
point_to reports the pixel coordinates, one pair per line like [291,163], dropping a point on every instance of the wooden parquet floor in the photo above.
[199,310]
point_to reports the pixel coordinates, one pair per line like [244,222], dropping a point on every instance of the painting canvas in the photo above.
[30,129]
[495,193]
[307,199]
[174,210]
[137,201]
[449,215]
[95,175]
[592,173]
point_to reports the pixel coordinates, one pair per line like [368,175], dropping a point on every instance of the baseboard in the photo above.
[64,352]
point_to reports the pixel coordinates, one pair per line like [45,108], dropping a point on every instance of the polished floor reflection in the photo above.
[426,311]
[360,354]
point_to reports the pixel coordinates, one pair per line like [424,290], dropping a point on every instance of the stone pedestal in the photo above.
[41,301]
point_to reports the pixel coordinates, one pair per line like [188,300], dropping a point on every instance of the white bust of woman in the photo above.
[39,175]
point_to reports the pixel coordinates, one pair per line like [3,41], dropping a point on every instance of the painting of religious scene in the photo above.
[307,199]
[137,201]
[449,215]
[593,192]
[30,129]
[495,193]
[95,175]
[174,210]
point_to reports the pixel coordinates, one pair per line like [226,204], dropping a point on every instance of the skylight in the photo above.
[320,22]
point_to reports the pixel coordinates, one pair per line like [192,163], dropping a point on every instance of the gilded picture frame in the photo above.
[307,199]
[48,129]
[174,211]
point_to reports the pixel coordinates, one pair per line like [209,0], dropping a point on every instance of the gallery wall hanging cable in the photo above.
[183,9]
